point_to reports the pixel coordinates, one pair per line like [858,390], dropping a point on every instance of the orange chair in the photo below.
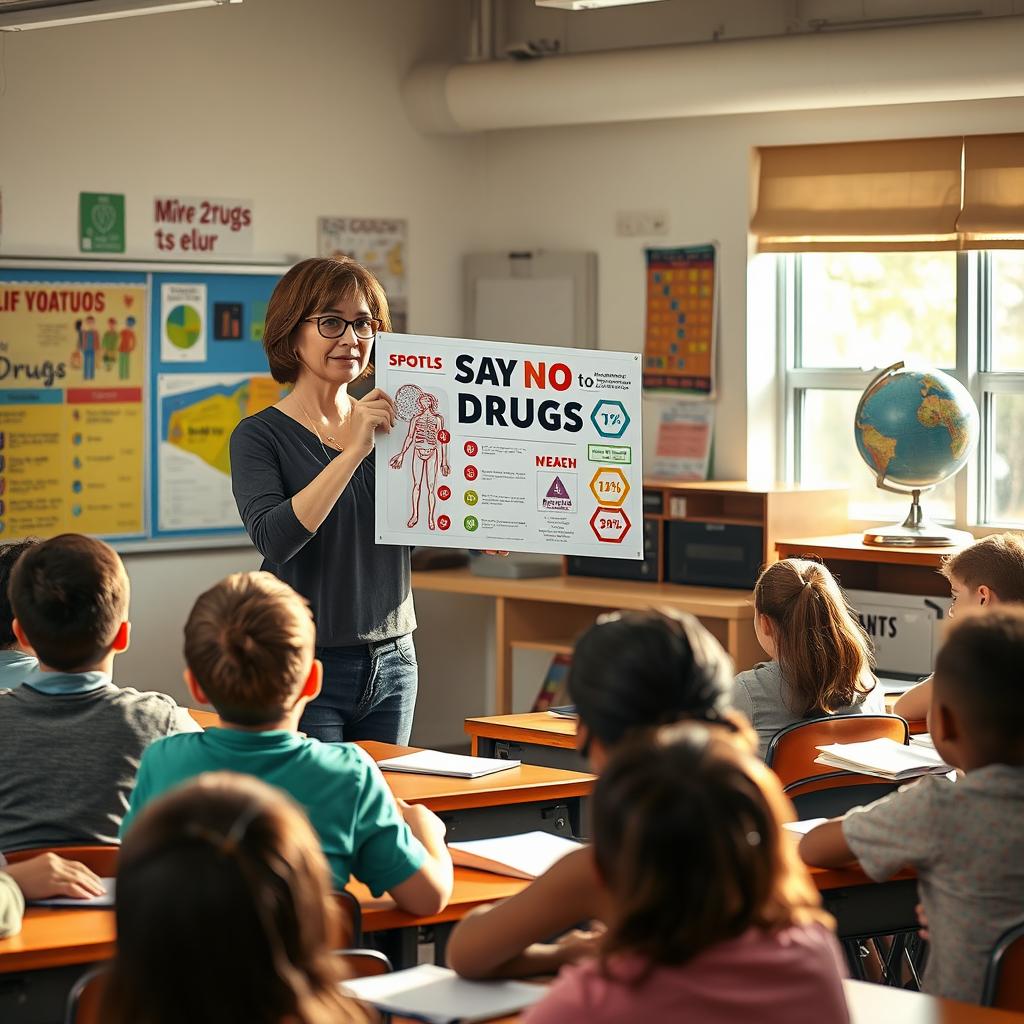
[86,997]
[1004,978]
[817,790]
[101,859]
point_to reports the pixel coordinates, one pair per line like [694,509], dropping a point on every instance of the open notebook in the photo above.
[521,856]
[435,762]
[106,900]
[440,996]
[883,758]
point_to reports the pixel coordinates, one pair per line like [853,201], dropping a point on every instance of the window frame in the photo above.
[974,486]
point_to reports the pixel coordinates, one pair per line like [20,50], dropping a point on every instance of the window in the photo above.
[844,315]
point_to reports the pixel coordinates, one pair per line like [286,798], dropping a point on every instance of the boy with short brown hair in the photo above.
[988,572]
[71,738]
[249,646]
[965,839]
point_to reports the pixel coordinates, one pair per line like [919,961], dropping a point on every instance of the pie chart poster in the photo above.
[183,323]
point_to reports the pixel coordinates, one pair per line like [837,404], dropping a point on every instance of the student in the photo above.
[820,656]
[224,913]
[72,739]
[40,878]
[15,661]
[965,839]
[629,672]
[989,572]
[712,917]
[249,650]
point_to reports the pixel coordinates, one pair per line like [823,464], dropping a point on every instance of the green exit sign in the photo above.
[100,222]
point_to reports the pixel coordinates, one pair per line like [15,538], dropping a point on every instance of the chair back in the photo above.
[351,918]
[792,750]
[1004,977]
[101,859]
[86,997]
[832,795]
[364,963]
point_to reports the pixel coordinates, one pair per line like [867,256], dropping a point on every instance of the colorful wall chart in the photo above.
[682,307]
[119,391]
[72,427]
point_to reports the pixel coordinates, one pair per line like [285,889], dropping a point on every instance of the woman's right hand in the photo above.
[375,411]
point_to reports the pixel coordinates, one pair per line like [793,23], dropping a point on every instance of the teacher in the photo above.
[302,472]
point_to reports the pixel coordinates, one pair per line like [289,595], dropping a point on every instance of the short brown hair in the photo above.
[311,285]
[823,651]
[979,667]
[249,643]
[70,595]
[996,562]
[688,839]
[222,882]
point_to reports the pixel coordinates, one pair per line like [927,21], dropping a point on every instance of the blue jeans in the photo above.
[369,693]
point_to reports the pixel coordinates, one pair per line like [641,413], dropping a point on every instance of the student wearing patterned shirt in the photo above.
[966,838]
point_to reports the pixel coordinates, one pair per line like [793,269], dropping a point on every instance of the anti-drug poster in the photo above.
[72,432]
[512,447]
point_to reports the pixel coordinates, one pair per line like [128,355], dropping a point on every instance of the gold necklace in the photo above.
[316,430]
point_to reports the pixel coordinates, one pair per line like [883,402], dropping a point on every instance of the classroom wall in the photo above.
[262,101]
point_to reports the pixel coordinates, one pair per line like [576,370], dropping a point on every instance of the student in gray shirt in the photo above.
[820,655]
[965,839]
[71,740]
[15,661]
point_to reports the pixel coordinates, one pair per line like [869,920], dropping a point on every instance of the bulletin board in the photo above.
[120,385]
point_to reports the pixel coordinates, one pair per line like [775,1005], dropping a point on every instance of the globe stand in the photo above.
[915,531]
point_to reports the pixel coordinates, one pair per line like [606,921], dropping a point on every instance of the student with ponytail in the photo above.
[821,661]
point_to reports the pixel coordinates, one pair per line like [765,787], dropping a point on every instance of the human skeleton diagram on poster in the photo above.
[429,442]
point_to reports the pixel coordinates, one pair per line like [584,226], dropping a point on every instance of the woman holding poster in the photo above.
[303,479]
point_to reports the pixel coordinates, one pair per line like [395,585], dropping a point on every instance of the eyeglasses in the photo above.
[333,327]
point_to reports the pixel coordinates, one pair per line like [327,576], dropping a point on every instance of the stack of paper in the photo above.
[885,759]
[565,711]
[434,762]
[801,828]
[439,996]
[523,856]
[923,739]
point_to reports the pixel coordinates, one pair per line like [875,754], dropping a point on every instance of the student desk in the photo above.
[206,719]
[529,798]
[536,738]
[863,907]
[547,614]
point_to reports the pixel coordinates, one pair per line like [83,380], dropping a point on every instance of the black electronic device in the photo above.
[712,554]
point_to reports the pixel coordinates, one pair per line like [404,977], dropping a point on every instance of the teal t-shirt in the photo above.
[361,829]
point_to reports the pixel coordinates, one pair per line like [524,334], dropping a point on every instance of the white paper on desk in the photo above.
[436,762]
[527,855]
[884,758]
[106,900]
[439,995]
[801,828]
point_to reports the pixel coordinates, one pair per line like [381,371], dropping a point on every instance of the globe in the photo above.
[915,428]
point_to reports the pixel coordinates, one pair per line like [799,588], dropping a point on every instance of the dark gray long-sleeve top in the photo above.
[360,592]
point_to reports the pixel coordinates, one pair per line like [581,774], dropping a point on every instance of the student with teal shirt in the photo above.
[15,661]
[71,739]
[249,648]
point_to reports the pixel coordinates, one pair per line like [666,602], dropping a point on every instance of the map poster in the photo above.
[183,323]
[379,243]
[197,414]
[682,317]
[72,431]
[513,447]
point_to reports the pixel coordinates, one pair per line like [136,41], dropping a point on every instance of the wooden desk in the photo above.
[863,907]
[524,799]
[207,719]
[535,738]
[547,614]
[863,567]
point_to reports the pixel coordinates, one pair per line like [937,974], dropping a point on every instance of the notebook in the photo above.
[106,900]
[565,711]
[521,856]
[435,762]
[883,758]
[440,996]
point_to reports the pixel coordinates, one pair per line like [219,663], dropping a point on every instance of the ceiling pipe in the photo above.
[881,67]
